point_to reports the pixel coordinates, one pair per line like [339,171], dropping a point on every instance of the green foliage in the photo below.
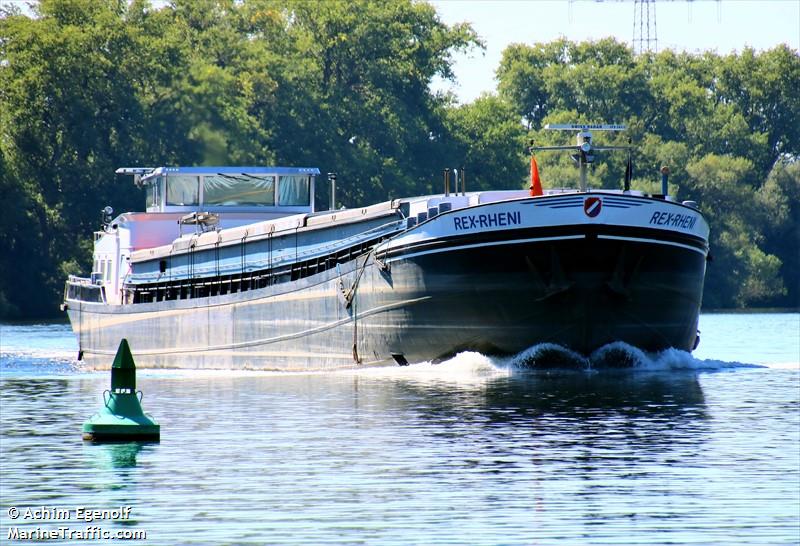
[69,114]
[90,85]
[779,199]
[354,95]
[489,143]
[741,272]
[727,126]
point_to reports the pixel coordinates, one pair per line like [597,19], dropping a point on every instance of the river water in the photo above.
[680,449]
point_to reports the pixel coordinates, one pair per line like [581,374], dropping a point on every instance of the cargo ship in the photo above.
[232,267]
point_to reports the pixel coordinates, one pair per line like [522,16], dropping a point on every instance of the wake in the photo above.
[466,365]
[617,355]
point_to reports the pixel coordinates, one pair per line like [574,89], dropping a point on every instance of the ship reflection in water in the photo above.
[592,407]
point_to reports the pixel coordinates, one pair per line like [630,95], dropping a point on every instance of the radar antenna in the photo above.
[584,147]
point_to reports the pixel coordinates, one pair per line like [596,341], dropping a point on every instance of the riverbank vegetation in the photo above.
[87,86]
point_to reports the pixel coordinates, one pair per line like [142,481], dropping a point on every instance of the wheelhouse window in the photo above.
[293,190]
[183,190]
[154,192]
[239,189]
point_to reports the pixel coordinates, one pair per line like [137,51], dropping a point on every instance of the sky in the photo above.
[723,26]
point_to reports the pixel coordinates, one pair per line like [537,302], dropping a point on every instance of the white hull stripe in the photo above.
[652,241]
[537,239]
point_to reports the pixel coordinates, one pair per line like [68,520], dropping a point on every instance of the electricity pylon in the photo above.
[645,32]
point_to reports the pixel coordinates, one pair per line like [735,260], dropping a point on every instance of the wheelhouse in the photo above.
[287,190]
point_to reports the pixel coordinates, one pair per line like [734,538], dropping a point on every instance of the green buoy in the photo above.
[122,417]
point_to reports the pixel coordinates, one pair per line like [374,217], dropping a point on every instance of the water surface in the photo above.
[681,449]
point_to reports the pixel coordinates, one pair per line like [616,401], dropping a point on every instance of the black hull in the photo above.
[582,293]
[581,288]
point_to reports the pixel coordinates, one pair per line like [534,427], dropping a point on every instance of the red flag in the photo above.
[536,184]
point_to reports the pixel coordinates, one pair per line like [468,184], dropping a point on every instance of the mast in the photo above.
[584,147]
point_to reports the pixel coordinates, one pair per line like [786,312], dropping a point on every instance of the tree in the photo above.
[742,273]
[763,87]
[726,126]
[489,144]
[87,86]
[779,202]
[90,85]
[82,93]
[355,95]
[599,77]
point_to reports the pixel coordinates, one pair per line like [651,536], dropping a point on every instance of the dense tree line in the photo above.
[727,126]
[90,85]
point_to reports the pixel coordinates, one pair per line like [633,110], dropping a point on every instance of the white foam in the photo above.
[668,359]
[547,355]
[616,355]
[464,369]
